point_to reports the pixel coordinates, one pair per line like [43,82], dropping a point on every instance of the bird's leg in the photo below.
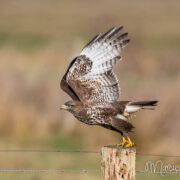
[130,143]
[124,141]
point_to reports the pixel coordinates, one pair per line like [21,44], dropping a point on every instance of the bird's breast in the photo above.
[95,115]
[99,114]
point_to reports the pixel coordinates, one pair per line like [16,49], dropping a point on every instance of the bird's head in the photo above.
[69,106]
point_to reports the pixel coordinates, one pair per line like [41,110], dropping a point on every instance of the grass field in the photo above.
[39,38]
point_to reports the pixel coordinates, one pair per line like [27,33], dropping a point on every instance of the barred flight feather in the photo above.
[92,70]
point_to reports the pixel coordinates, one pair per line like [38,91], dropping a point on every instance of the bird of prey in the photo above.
[94,88]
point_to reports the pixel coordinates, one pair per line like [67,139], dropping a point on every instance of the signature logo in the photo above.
[159,167]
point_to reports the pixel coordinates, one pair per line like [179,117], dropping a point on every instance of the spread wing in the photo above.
[90,75]
[66,87]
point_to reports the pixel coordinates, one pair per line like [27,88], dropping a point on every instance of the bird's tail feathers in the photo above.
[144,103]
[135,106]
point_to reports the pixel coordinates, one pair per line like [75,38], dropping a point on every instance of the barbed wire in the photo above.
[158,155]
[49,151]
[26,171]
[150,172]
[50,170]
[79,151]
[73,171]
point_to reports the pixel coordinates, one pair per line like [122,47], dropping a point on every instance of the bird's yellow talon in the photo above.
[130,143]
[126,142]
[123,143]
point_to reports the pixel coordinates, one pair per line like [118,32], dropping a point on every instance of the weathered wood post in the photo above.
[118,163]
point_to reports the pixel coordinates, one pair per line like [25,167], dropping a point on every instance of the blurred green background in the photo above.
[38,39]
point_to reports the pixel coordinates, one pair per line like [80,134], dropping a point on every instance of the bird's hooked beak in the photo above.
[64,107]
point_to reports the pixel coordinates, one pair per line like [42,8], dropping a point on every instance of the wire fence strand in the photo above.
[50,170]
[150,172]
[75,171]
[49,151]
[158,155]
[79,151]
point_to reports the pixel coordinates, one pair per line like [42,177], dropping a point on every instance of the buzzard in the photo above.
[94,88]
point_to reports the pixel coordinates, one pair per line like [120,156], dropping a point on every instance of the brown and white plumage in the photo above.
[93,68]
[93,86]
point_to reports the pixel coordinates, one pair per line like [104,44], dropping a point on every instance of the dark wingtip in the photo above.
[145,103]
[122,36]
[125,43]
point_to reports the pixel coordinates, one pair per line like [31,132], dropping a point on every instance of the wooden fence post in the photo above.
[118,163]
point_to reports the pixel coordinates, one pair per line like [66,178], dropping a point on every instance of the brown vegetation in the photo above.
[38,40]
